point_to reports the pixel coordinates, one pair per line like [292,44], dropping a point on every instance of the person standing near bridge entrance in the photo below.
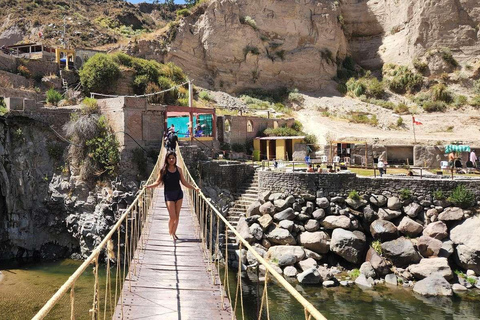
[171,176]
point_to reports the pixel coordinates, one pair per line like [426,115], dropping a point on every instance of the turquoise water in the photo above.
[25,289]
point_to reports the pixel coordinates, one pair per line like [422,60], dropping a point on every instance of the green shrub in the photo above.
[103,149]
[399,122]
[462,197]
[295,96]
[475,101]
[310,139]
[280,131]
[174,72]
[440,93]
[355,273]
[297,126]
[401,79]
[472,280]
[368,85]
[420,66]
[476,86]
[405,194]
[354,195]
[251,22]
[401,108]
[149,68]
[3,107]
[280,54]
[342,88]
[99,73]
[140,83]
[377,246]
[205,96]
[438,195]
[53,96]
[23,70]
[183,13]
[89,106]
[123,59]
[434,106]
[460,101]
[447,56]
[238,147]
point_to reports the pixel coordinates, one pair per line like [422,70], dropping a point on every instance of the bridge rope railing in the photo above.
[209,233]
[122,246]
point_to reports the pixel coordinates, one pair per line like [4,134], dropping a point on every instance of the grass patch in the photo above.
[401,79]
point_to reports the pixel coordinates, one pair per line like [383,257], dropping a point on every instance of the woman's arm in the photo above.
[156,183]
[185,183]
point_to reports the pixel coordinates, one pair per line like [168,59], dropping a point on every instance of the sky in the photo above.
[150,1]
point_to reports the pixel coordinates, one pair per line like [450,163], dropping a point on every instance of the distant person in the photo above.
[275,163]
[307,160]
[310,168]
[473,158]
[451,161]
[319,169]
[381,167]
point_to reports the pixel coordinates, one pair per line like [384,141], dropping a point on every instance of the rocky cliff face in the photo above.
[235,44]
[30,224]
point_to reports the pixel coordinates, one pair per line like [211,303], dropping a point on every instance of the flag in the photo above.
[415,122]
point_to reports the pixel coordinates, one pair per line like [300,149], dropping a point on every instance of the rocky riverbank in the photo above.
[427,244]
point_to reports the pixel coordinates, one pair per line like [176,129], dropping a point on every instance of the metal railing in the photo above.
[130,232]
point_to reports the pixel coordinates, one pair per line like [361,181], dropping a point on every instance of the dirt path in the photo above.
[436,128]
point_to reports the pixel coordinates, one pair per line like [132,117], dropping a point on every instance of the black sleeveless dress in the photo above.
[172,189]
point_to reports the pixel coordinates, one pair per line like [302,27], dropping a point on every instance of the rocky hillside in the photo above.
[233,45]
[88,23]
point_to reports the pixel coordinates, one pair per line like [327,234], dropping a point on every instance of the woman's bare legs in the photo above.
[172,215]
[178,207]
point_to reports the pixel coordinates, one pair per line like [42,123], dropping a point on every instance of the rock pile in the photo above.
[390,239]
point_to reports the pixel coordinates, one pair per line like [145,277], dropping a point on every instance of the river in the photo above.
[25,288]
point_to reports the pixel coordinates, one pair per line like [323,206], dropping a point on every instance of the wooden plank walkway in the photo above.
[172,281]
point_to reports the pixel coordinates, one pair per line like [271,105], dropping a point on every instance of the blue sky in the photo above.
[150,1]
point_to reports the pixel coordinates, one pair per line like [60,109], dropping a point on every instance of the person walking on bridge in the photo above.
[171,176]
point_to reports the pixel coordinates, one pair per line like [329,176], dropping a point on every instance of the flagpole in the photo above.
[413,125]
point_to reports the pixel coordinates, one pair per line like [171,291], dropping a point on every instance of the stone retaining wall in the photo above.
[331,184]
[225,175]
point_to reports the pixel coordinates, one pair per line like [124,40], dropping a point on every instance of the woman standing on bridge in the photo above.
[171,176]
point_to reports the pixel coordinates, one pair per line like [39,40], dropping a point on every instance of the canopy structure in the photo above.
[456,148]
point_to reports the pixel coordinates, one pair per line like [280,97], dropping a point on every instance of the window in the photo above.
[227,125]
[249,126]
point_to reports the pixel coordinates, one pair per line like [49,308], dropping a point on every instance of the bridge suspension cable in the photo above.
[128,237]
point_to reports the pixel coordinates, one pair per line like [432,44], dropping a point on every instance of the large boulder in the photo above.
[388,214]
[267,208]
[451,214]
[428,246]
[393,203]
[280,236]
[401,252]
[383,230]
[276,252]
[260,250]
[466,236]
[409,227]
[265,221]
[427,267]
[287,214]
[356,203]
[287,224]
[378,200]
[286,260]
[318,214]
[254,208]
[379,264]
[312,225]
[280,205]
[367,270]
[349,245]
[257,231]
[334,222]
[310,276]
[244,230]
[307,264]
[318,241]
[322,203]
[437,230]
[434,285]
[413,209]
[363,282]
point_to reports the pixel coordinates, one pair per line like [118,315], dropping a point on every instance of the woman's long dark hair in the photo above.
[163,171]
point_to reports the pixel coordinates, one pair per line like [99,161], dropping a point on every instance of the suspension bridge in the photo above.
[150,276]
